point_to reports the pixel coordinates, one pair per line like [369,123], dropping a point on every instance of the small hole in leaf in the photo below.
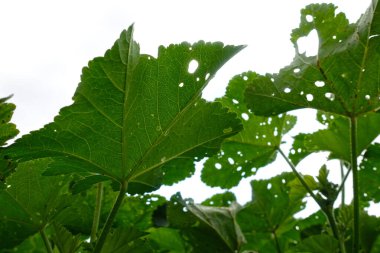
[330,96]
[367,97]
[272,79]
[296,70]
[344,75]
[301,93]
[243,174]
[218,166]
[235,101]
[269,186]
[334,37]
[287,90]
[181,85]
[245,116]
[319,83]
[253,170]
[309,97]
[238,168]
[198,79]
[207,76]
[231,161]
[363,69]
[309,18]
[292,151]
[245,78]
[193,65]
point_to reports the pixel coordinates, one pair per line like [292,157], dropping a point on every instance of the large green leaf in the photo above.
[267,222]
[336,137]
[342,78]
[317,244]
[29,202]
[254,147]
[135,114]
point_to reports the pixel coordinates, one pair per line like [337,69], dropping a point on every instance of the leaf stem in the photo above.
[278,248]
[97,211]
[355,178]
[107,226]
[46,241]
[299,176]
[341,188]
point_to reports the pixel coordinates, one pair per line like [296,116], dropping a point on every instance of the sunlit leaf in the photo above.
[342,78]
[254,147]
[221,199]
[134,114]
[369,174]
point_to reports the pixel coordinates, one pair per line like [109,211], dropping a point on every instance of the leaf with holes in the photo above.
[254,147]
[369,174]
[267,222]
[342,78]
[29,202]
[134,114]
[336,138]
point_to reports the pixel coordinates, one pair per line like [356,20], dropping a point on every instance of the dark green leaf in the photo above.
[207,229]
[7,129]
[168,240]
[256,146]
[267,221]
[317,244]
[29,202]
[342,78]
[64,240]
[133,114]
[33,244]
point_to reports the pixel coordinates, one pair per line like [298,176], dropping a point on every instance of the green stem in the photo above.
[300,177]
[107,226]
[355,178]
[341,187]
[331,218]
[343,177]
[46,241]
[97,211]
[278,248]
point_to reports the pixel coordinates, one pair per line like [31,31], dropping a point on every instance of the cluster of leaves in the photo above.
[83,183]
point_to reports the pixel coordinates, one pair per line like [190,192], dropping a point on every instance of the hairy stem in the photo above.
[300,177]
[333,224]
[355,178]
[49,249]
[97,211]
[107,226]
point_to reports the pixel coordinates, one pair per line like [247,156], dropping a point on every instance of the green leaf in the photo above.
[7,132]
[64,240]
[7,129]
[207,229]
[254,147]
[369,174]
[336,138]
[29,202]
[134,114]
[221,199]
[267,222]
[317,244]
[126,240]
[342,78]
[168,240]
[33,244]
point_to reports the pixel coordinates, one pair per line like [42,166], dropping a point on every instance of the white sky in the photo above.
[45,44]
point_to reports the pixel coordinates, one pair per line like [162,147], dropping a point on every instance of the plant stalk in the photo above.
[300,177]
[107,226]
[278,248]
[355,178]
[332,221]
[49,249]
[342,175]
[97,211]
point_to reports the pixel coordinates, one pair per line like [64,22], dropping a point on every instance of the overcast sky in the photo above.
[45,44]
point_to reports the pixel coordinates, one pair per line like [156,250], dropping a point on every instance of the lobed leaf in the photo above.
[134,115]
[254,147]
[342,78]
